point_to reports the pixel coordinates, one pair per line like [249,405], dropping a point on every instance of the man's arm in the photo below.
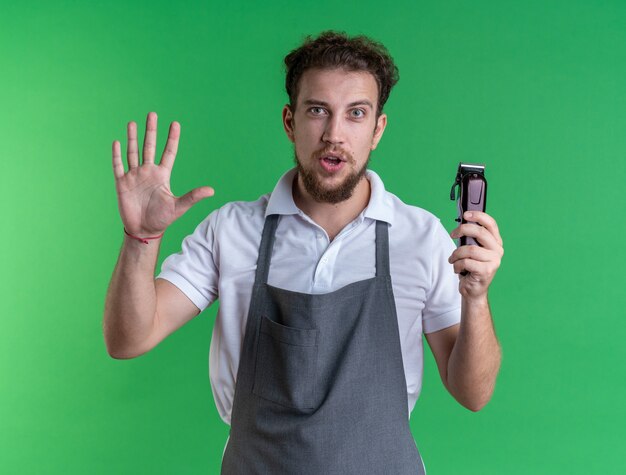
[140,312]
[468,354]
[468,357]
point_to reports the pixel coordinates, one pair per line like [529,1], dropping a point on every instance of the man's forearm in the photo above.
[130,304]
[475,359]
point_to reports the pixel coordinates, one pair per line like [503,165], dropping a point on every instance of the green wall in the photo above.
[534,89]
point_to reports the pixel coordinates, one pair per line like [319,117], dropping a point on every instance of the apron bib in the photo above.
[320,386]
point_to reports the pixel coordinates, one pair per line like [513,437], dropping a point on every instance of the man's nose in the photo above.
[333,133]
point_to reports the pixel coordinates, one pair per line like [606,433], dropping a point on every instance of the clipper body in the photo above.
[472,196]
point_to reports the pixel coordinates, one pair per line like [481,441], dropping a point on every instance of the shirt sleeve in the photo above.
[443,302]
[193,269]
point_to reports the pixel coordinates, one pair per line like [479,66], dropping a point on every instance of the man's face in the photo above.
[334,129]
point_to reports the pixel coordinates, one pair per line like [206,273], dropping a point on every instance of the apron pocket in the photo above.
[286,365]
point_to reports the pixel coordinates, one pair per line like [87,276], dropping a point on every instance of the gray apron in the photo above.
[320,386]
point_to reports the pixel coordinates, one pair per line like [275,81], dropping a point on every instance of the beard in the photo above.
[314,187]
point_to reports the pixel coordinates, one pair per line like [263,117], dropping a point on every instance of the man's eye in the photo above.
[358,113]
[317,110]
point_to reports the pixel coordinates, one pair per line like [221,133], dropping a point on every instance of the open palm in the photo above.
[146,203]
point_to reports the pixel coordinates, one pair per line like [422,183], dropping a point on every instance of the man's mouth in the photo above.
[333,160]
[332,163]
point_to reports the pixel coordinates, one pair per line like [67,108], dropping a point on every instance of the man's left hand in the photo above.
[481,263]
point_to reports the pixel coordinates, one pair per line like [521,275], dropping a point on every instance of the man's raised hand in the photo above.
[146,204]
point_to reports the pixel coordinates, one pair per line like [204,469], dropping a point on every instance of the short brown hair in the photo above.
[332,49]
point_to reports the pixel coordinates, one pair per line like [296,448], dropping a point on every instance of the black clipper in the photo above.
[470,179]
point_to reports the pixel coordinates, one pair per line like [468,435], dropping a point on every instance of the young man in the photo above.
[326,285]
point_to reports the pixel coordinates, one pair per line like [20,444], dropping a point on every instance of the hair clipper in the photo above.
[472,196]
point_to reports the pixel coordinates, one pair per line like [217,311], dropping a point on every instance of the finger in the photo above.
[484,220]
[171,147]
[118,166]
[481,234]
[132,154]
[189,199]
[472,252]
[149,141]
[468,265]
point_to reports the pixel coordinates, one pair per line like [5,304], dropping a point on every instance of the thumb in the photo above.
[191,198]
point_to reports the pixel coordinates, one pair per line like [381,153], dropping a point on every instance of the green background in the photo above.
[535,89]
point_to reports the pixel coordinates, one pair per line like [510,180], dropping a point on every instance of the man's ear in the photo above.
[288,122]
[381,123]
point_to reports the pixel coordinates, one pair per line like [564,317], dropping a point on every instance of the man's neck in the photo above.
[332,217]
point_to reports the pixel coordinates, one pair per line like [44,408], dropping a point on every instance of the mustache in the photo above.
[337,152]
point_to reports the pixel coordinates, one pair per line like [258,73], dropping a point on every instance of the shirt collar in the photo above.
[281,199]
[380,206]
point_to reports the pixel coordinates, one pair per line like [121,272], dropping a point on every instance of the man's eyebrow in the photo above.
[363,102]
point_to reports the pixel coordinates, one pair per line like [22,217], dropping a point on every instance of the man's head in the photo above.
[337,88]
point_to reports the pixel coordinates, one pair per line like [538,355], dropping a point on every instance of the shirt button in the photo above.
[319,236]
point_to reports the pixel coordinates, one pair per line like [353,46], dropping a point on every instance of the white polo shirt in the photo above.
[219,261]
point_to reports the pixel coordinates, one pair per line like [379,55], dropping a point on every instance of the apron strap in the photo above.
[382,249]
[265,249]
